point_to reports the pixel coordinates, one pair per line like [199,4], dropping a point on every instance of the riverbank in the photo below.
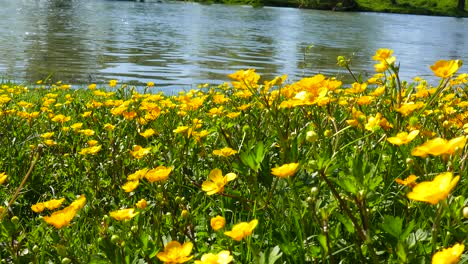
[417,7]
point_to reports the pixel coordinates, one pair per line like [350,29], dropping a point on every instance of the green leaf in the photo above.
[408,230]
[393,226]
[346,222]
[274,255]
[323,242]
[348,183]
[401,252]
[259,152]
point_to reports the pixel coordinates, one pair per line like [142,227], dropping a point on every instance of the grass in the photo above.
[421,7]
[251,171]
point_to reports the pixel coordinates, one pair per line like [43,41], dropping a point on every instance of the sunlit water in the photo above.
[178,45]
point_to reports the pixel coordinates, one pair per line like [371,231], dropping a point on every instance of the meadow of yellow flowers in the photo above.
[251,171]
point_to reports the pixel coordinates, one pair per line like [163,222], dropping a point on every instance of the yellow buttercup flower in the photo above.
[123,214]
[51,205]
[87,132]
[436,190]
[148,133]
[225,152]
[403,138]
[223,257]
[410,181]
[76,126]
[61,218]
[286,170]
[217,181]
[109,127]
[47,135]
[445,69]
[61,118]
[130,186]
[137,175]
[217,222]
[449,255]
[112,83]
[91,150]
[3,177]
[139,152]
[160,173]
[382,54]
[174,252]
[79,202]
[141,204]
[242,230]
[439,146]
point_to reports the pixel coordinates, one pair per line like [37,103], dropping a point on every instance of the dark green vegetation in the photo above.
[421,7]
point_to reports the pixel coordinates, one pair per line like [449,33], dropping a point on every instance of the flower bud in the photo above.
[465,212]
[35,248]
[328,133]
[115,239]
[15,220]
[341,61]
[184,214]
[66,261]
[311,136]
[314,191]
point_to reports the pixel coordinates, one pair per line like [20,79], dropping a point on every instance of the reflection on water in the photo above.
[177,44]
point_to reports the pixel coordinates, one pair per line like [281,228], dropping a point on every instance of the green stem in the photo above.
[435,227]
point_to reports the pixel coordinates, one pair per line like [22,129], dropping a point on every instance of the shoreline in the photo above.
[357,6]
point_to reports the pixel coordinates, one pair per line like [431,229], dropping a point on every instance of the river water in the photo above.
[178,45]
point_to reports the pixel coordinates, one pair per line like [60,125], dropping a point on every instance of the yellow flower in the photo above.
[123,214]
[76,126]
[160,173]
[445,69]
[141,204]
[47,135]
[137,175]
[449,255]
[87,132]
[92,86]
[79,202]
[403,138]
[286,170]
[61,218]
[233,115]
[225,152]
[217,222]
[180,129]
[50,142]
[92,142]
[148,133]
[112,83]
[150,84]
[242,230]
[223,257]
[217,181]
[130,186]
[382,54]
[174,252]
[3,178]
[91,150]
[138,152]
[109,127]
[439,146]
[61,118]
[410,181]
[434,191]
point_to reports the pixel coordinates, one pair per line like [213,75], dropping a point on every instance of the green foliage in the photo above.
[306,170]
